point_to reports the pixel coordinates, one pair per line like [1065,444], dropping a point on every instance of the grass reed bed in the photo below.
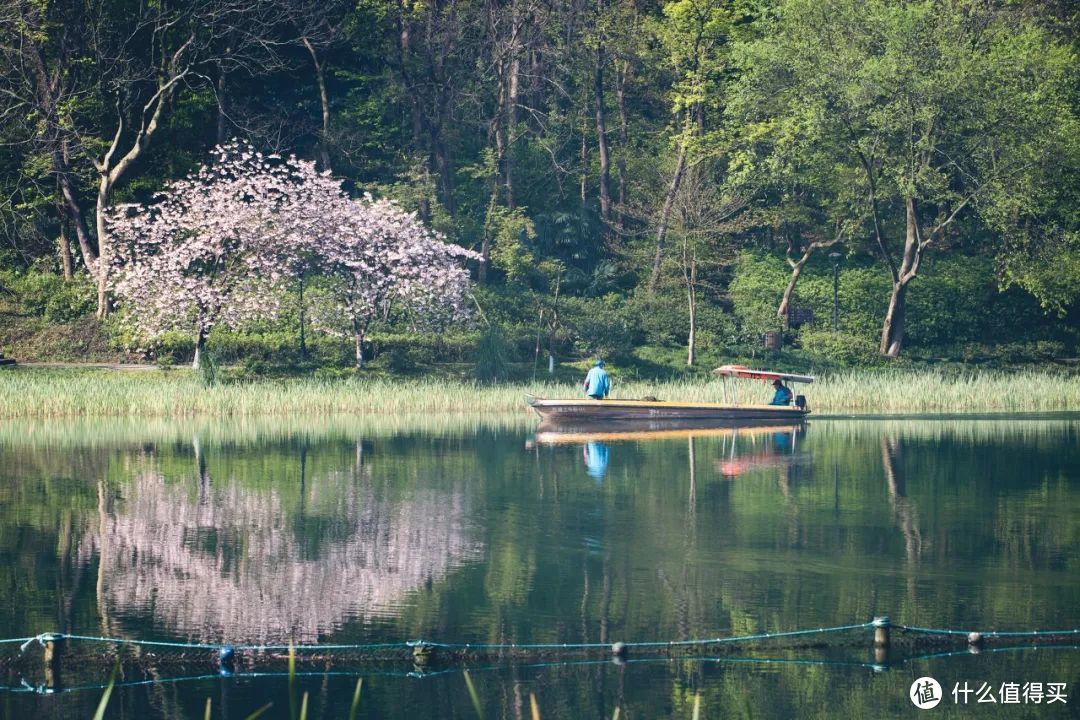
[36,392]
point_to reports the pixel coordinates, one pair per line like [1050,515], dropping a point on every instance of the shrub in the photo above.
[52,297]
[491,358]
[601,326]
[840,348]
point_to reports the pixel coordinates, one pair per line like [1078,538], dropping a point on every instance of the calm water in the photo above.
[349,531]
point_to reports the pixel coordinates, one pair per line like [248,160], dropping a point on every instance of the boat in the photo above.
[650,410]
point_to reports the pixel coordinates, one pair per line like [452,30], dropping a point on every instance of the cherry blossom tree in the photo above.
[388,263]
[220,247]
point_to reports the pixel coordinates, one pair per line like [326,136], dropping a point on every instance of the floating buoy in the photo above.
[226,659]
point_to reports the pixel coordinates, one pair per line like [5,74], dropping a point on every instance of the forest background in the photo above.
[665,185]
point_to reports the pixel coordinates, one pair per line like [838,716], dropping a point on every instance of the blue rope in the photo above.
[642,644]
[18,640]
[41,689]
[424,643]
[985,651]
[153,643]
[988,634]
[44,637]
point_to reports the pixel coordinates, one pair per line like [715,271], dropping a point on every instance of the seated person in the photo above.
[597,382]
[783,394]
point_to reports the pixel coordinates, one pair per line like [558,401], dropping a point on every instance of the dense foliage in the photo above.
[660,182]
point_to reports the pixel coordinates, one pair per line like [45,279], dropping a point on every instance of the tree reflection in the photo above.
[223,563]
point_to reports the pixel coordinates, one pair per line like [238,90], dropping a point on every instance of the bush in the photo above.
[51,296]
[492,352]
[601,327]
[208,369]
[840,348]
[400,358]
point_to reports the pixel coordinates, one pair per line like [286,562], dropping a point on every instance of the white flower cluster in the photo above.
[219,246]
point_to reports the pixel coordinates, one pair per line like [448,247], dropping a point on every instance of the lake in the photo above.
[482,531]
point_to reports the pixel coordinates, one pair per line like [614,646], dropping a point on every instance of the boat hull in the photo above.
[631,411]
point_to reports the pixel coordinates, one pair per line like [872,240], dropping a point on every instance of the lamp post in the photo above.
[835,257]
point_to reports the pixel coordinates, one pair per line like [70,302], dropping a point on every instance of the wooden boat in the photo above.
[591,412]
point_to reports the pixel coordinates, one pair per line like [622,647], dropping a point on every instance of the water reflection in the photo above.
[262,533]
[757,448]
[741,448]
[596,458]
[214,559]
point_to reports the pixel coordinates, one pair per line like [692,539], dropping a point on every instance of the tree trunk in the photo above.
[601,135]
[358,334]
[584,166]
[513,92]
[785,300]
[691,303]
[64,244]
[665,216]
[624,141]
[65,250]
[796,271]
[445,169]
[324,101]
[200,347]
[222,100]
[104,254]
[71,204]
[892,332]
[303,343]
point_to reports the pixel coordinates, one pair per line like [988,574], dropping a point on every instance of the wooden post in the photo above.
[422,654]
[53,648]
[881,643]
[881,631]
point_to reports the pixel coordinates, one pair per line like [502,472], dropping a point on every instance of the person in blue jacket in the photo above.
[783,394]
[597,382]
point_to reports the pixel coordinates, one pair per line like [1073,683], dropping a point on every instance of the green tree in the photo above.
[943,111]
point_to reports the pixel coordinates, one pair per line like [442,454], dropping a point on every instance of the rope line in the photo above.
[988,633]
[415,675]
[42,638]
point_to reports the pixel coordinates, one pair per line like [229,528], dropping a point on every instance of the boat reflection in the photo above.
[777,448]
[741,448]
[572,434]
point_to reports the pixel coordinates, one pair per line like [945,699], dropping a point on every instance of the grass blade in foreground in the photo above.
[100,714]
[472,695]
[292,681]
[355,708]
[260,712]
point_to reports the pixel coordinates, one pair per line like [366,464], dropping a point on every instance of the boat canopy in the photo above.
[741,371]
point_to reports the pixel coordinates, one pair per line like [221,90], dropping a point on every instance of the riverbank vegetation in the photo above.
[31,392]
[671,181]
[662,184]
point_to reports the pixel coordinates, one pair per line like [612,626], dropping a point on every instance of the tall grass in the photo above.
[33,392]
